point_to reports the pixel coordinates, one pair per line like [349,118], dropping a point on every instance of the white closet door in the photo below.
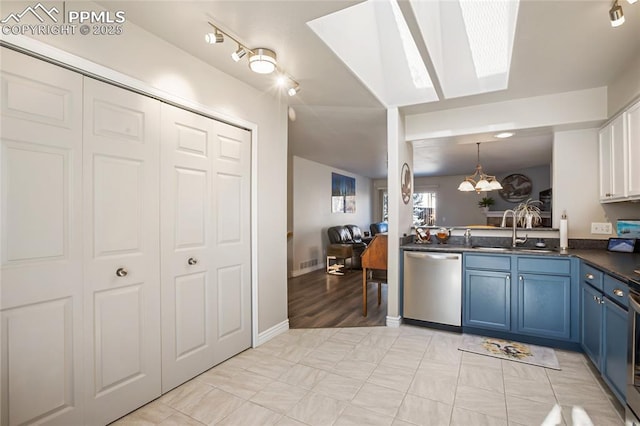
[205,295]
[232,239]
[41,291]
[188,308]
[121,250]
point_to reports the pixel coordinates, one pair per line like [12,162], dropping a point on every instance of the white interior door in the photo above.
[41,289]
[121,250]
[188,304]
[232,239]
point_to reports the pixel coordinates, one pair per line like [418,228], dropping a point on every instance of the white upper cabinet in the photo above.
[619,151]
[632,126]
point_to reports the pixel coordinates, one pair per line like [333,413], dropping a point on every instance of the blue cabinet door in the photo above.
[591,318]
[614,361]
[544,305]
[487,300]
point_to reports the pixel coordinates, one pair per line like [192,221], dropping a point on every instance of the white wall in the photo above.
[161,65]
[625,88]
[312,214]
[575,181]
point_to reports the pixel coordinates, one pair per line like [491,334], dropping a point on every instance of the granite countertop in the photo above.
[620,265]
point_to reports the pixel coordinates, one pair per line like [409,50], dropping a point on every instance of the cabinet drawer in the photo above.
[591,275]
[545,265]
[617,290]
[492,262]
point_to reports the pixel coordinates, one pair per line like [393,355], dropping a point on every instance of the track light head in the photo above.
[213,38]
[616,15]
[239,54]
[632,1]
[293,90]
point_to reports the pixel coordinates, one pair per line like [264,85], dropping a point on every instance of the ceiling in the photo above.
[559,46]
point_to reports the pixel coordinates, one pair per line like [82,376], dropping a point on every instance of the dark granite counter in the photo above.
[619,265]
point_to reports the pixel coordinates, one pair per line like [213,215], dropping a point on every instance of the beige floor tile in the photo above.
[294,353]
[392,377]
[278,396]
[527,412]
[398,422]
[338,387]
[431,365]
[270,366]
[245,384]
[212,406]
[481,400]
[435,385]
[179,419]
[379,399]
[571,374]
[288,421]
[443,351]
[582,394]
[524,371]
[357,416]
[404,359]
[346,336]
[481,361]
[219,374]
[367,353]
[411,343]
[479,377]
[186,394]
[462,417]
[133,420]
[358,370]
[324,360]
[303,376]
[250,414]
[600,413]
[317,410]
[333,345]
[382,341]
[150,414]
[418,410]
[529,389]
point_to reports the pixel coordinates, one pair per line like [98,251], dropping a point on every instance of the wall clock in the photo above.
[405,183]
[515,188]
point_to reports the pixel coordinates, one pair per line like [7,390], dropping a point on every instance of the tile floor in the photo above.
[378,376]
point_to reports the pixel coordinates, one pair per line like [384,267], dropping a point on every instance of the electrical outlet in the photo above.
[601,228]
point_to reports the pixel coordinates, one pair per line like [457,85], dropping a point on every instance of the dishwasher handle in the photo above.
[433,256]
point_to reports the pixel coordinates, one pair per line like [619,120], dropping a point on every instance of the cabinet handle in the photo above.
[192,261]
[521,278]
[618,292]
[608,194]
[589,276]
[121,272]
[508,277]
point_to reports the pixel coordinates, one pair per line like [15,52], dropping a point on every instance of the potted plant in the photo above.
[527,213]
[485,203]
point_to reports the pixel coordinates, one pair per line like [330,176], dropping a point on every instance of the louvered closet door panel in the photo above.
[41,290]
[121,250]
[188,292]
[232,239]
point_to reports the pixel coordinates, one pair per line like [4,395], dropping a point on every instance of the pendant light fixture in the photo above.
[484,181]
[616,16]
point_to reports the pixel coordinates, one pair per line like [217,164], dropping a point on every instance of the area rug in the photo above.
[509,350]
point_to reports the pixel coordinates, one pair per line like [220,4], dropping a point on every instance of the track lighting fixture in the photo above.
[616,15]
[261,59]
[238,54]
[213,38]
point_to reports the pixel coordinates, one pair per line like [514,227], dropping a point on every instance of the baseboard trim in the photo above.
[394,321]
[298,272]
[274,331]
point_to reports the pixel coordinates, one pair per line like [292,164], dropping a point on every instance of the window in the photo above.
[424,208]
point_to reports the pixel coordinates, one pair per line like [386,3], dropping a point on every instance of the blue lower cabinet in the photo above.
[544,305]
[487,300]
[591,323]
[614,363]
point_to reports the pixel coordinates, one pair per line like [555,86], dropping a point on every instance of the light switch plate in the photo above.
[601,228]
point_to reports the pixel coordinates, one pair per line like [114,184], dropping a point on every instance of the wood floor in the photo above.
[318,299]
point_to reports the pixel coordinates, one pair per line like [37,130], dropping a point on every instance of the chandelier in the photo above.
[479,181]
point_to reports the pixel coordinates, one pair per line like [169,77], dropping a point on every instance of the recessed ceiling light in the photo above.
[504,135]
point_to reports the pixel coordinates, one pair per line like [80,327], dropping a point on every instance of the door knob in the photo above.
[589,276]
[121,272]
[618,292]
[192,261]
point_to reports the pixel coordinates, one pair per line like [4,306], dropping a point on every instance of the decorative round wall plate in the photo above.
[515,188]
[405,183]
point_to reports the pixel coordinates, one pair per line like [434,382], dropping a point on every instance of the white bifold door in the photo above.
[205,222]
[41,284]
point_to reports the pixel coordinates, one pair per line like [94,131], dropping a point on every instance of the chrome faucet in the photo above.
[514,236]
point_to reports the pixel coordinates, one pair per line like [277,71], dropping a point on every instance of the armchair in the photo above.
[341,237]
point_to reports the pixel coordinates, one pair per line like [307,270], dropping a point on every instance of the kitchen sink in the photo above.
[516,249]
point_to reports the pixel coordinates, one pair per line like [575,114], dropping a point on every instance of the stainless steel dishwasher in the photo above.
[433,287]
